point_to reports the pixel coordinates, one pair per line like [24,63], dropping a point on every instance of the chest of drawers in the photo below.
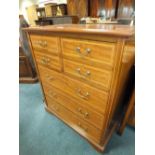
[82,71]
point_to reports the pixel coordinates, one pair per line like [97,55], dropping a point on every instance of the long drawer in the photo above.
[76,107]
[99,54]
[82,127]
[45,44]
[100,78]
[84,93]
[49,61]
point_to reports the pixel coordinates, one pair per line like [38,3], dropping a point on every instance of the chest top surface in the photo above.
[101,29]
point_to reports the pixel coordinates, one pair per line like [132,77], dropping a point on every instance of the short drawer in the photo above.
[45,44]
[71,104]
[82,127]
[99,54]
[84,93]
[49,61]
[100,78]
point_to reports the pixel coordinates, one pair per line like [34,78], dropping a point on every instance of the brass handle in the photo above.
[86,74]
[84,114]
[42,43]
[45,60]
[87,51]
[84,96]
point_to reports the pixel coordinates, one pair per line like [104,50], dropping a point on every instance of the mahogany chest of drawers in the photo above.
[83,70]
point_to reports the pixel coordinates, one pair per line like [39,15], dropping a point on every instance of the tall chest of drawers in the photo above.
[82,71]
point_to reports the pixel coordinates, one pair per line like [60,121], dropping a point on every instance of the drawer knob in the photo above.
[86,114]
[78,49]
[78,70]
[88,50]
[83,95]
[87,73]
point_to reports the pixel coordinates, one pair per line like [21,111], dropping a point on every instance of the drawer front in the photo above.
[100,78]
[78,124]
[99,54]
[51,62]
[45,44]
[76,107]
[84,93]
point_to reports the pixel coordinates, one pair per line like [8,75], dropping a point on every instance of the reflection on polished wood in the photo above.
[126,8]
[104,8]
[101,29]
[77,8]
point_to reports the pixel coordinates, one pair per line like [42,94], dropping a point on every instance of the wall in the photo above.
[25,3]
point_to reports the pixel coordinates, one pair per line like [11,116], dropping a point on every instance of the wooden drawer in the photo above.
[100,78]
[85,129]
[84,93]
[49,61]
[45,44]
[99,54]
[76,107]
